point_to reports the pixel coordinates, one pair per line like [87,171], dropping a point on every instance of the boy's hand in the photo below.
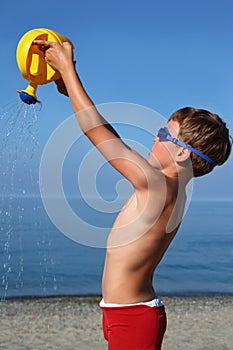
[59,57]
[61,87]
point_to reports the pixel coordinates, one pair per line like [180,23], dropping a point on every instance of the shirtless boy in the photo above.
[191,144]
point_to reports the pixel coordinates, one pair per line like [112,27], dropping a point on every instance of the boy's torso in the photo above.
[140,236]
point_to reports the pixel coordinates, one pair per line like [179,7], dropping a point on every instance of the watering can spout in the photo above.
[32,64]
[28,95]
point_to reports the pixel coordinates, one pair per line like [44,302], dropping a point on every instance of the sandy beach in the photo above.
[68,323]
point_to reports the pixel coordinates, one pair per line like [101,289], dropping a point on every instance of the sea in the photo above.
[38,260]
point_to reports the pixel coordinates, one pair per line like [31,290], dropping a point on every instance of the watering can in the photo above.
[32,64]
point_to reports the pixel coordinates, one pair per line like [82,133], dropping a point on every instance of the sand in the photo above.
[68,323]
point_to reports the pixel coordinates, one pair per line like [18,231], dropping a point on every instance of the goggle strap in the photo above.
[184,145]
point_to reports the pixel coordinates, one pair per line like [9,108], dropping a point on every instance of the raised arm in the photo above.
[128,162]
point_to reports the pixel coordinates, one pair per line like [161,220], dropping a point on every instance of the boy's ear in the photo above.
[182,154]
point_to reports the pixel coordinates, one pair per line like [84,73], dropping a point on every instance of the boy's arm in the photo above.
[128,162]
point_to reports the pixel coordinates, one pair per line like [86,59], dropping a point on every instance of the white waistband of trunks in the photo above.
[155,302]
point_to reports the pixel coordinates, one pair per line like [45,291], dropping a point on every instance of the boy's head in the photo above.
[205,132]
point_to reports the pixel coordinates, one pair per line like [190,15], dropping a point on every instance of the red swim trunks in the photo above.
[133,327]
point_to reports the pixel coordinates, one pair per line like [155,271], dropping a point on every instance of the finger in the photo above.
[68,44]
[43,45]
[69,47]
[41,42]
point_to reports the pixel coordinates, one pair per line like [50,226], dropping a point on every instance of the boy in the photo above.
[192,144]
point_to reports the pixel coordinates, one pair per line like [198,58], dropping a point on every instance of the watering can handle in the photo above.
[24,48]
[25,45]
[31,62]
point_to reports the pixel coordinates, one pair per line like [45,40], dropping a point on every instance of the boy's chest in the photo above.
[128,212]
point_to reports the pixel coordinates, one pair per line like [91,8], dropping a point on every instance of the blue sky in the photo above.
[161,54]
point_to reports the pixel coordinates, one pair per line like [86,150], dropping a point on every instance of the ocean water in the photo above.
[36,259]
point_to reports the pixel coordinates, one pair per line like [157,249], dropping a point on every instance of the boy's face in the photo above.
[163,154]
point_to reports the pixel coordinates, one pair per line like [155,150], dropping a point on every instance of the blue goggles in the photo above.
[164,135]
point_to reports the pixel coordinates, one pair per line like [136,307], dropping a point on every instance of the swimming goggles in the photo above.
[164,135]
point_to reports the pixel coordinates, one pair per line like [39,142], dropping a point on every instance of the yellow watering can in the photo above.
[31,62]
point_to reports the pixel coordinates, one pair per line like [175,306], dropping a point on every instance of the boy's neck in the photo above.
[184,174]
